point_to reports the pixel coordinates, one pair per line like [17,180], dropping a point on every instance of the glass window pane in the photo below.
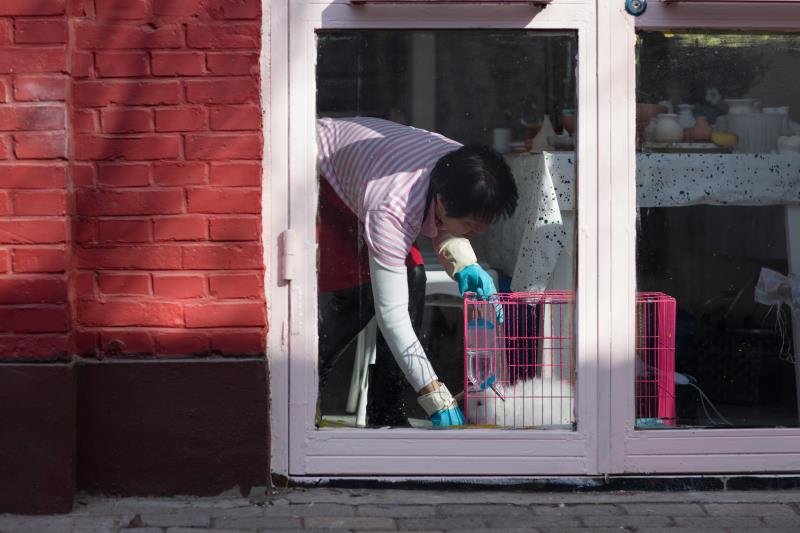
[513,90]
[718,184]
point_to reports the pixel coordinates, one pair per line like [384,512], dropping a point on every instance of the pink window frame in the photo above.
[678,450]
[298,450]
[606,278]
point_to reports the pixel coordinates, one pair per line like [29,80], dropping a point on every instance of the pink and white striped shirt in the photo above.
[381,171]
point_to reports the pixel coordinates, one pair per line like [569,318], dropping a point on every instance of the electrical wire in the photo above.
[706,400]
[686,379]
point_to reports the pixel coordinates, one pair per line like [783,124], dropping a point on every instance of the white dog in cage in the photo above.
[518,371]
[528,403]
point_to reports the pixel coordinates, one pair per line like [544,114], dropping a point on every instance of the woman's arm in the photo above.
[390,292]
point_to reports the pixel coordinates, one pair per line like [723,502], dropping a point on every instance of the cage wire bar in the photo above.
[520,372]
[519,360]
[655,359]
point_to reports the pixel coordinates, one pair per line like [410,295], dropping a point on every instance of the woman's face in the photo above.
[459,227]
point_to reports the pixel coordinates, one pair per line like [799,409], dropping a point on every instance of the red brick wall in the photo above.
[130,197]
[34,226]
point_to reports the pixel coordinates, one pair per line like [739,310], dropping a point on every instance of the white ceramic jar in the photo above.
[667,128]
[741,106]
[686,116]
[783,111]
[757,132]
[789,144]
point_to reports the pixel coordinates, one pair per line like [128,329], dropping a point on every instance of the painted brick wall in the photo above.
[34,227]
[130,145]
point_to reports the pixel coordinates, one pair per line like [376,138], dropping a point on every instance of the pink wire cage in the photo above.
[520,372]
[655,359]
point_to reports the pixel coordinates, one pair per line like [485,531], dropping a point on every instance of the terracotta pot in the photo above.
[644,113]
[532,129]
[700,132]
[568,121]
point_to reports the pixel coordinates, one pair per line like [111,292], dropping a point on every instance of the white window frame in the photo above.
[298,448]
[678,450]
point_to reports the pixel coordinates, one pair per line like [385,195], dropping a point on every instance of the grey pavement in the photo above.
[364,510]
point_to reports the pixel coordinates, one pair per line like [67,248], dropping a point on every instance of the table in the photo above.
[528,246]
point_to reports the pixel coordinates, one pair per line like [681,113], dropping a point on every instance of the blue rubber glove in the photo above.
[474,278]
[448,418]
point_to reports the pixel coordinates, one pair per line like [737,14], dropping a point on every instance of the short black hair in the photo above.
[475,181]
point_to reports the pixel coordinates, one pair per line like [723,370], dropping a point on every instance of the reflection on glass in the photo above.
[718,228]
[513,91]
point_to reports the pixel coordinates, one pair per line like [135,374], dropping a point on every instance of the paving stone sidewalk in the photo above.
[362,510]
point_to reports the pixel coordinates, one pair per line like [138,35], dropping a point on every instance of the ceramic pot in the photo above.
[568,121]
[700,132]
[783,111]
[741,106]
[789,144]
[757,132]
[500,139]
[644,114]
[650,131]
[667,128]
[685,115]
